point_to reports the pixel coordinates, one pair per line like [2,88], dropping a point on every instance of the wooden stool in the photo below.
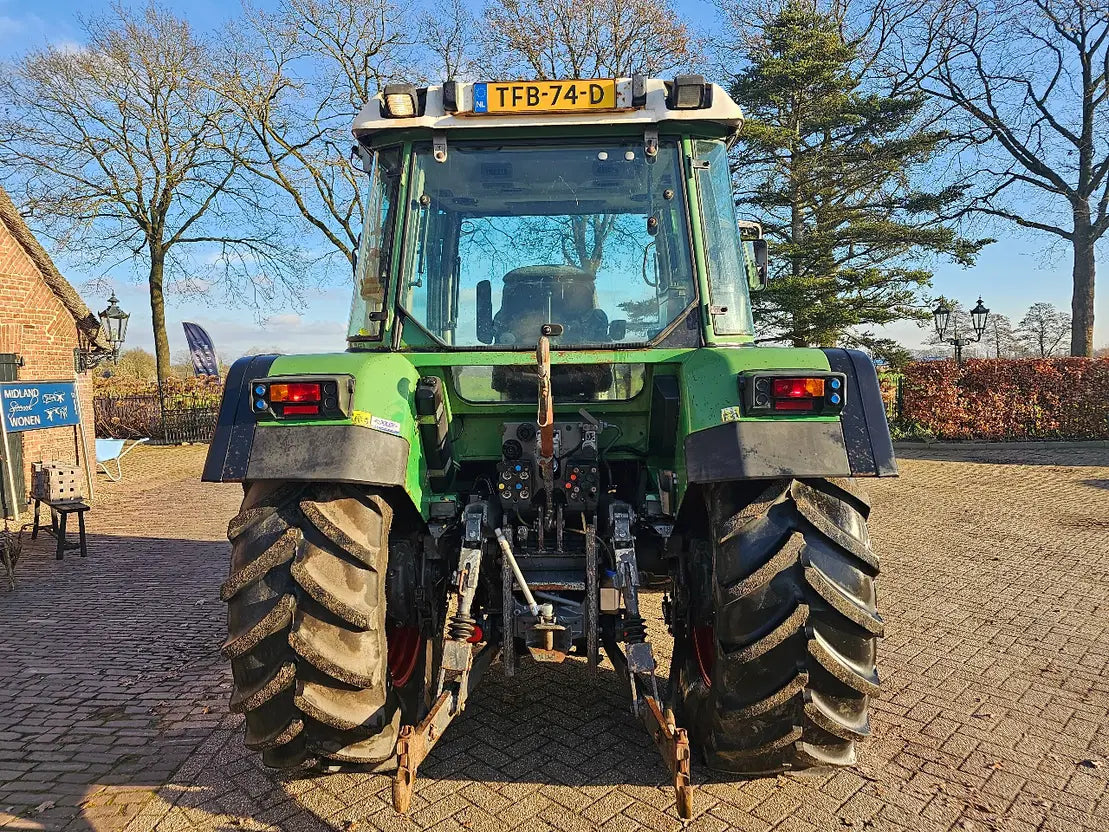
[62,509]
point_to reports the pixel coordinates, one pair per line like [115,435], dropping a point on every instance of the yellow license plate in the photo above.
[544,96]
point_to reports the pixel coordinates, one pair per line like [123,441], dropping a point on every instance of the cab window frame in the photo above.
[408,250]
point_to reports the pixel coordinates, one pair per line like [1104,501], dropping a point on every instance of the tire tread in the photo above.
[796,625]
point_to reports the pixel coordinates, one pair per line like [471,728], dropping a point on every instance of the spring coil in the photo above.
[461,627]
[635,629]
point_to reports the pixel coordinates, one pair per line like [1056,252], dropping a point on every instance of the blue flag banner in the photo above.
[202,350]
[37,405]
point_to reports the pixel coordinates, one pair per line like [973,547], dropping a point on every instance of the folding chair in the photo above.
[112,450]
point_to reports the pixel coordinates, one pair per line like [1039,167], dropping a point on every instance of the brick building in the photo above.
[42,321]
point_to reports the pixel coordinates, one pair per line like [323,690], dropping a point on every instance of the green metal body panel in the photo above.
[385,383]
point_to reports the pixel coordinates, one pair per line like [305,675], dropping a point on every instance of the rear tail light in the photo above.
[301,397]
[794,404]
[797,388]
[795,392]
[301,391]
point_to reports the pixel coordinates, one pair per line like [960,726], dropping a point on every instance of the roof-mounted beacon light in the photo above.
[399,101]
[689,92]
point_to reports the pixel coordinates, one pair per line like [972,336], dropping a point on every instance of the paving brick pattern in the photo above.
[993,717]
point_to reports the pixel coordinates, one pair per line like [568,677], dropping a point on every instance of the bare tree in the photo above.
[1028,81]
[1042,328]
[296,78]
[114,148]
[548,39]
[1000,337]
[448,31]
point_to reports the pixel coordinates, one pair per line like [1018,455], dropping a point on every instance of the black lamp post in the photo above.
[942,316]
[113,326]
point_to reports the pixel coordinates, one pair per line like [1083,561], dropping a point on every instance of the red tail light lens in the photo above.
[797,388]
[301,410]
[795,404]
[296,392]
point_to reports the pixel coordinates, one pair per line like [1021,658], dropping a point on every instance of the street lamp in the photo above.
[113,327]
[114,322]
[942,316]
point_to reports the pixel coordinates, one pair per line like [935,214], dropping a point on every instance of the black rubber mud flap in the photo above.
[234,434]
[866,431]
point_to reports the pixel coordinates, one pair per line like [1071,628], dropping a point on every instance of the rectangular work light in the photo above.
[689,92]
[400,100]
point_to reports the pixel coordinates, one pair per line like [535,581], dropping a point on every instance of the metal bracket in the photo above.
[357,152]
[439,146]
[641,659]
[592,595]
[460,670]
[650,142]
[508,618]
[413,746]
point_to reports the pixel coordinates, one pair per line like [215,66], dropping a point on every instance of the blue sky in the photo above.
[1013,273]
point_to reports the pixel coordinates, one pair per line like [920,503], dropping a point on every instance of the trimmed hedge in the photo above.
[1035,398]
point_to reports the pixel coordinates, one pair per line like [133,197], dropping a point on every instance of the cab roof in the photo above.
[638,101]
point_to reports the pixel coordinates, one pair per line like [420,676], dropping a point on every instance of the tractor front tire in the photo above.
[307,625]
[782,627]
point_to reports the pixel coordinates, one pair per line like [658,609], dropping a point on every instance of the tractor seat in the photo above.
[572,295]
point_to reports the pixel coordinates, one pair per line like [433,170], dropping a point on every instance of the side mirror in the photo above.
[762,263]
[485,311]
[617,329]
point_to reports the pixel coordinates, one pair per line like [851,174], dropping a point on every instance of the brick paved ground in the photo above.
[995,590]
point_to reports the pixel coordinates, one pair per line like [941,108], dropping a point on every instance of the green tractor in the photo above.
[551,391]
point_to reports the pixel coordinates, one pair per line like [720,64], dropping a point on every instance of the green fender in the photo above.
[378,445]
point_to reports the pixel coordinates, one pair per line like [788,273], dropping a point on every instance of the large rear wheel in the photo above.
[780,627]
[320,671]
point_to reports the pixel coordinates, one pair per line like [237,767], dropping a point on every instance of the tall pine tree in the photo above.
[829,165]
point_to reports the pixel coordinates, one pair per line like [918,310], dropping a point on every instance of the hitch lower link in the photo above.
[671,741]
[460,672]
[462,669]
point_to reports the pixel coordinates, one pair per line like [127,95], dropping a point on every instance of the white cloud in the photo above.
[287,321]
[22,31]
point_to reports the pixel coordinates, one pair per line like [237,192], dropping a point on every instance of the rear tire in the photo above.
[781,627]
[307,626]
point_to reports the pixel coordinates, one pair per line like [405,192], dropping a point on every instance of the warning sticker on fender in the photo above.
[730,414]
[385,425]
[368,420]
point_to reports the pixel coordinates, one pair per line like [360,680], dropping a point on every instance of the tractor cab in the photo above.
[603,207]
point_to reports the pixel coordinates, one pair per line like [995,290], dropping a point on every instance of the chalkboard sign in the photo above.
[37,405]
